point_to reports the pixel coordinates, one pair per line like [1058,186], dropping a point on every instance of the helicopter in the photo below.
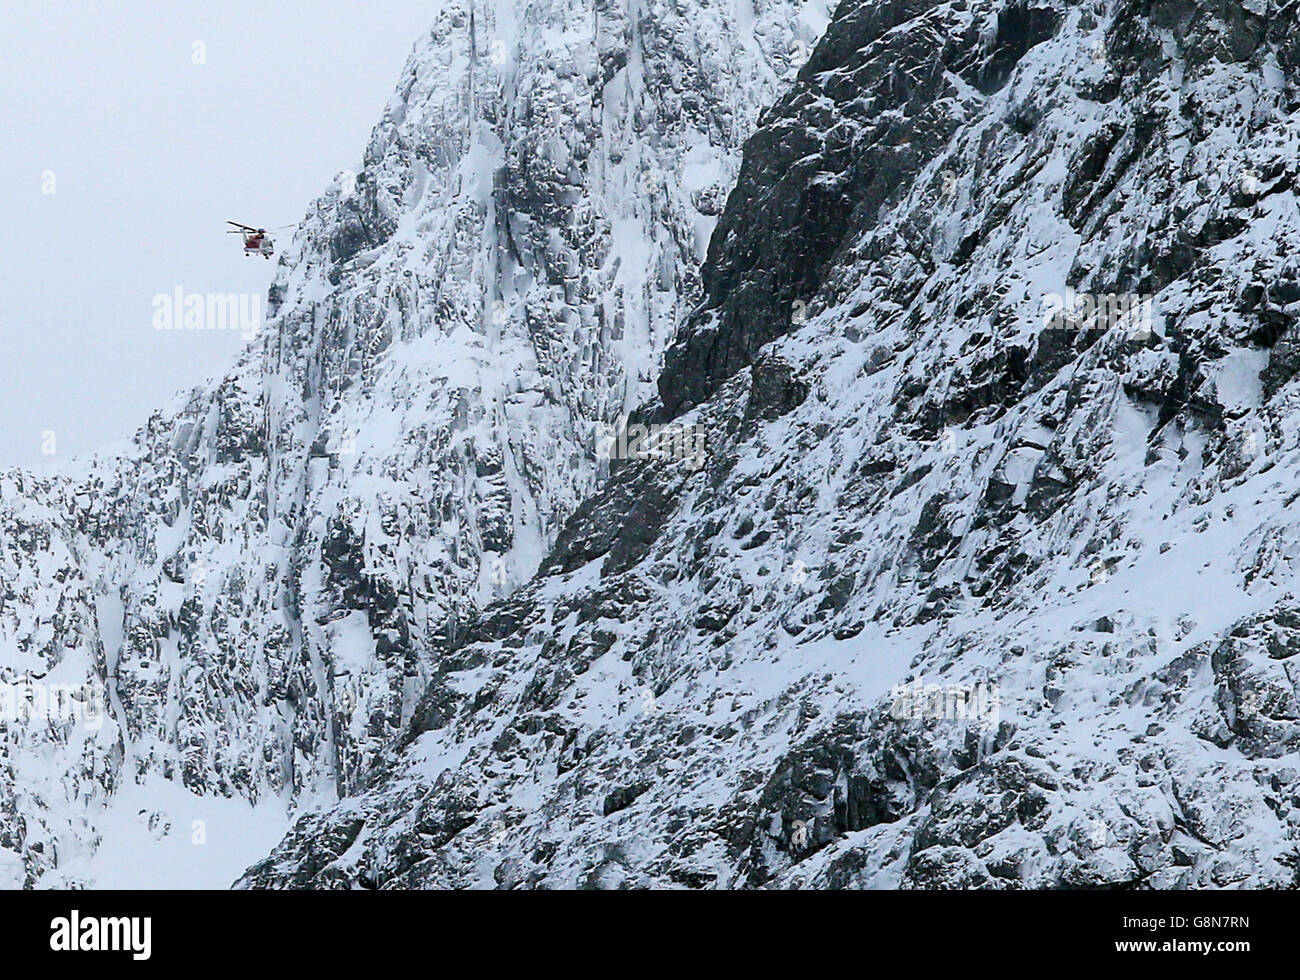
[256,240]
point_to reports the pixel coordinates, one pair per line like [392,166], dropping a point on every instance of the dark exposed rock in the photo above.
[954,598]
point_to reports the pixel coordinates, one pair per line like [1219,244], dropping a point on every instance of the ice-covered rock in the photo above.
[279,557]
[957,547]
[986,580]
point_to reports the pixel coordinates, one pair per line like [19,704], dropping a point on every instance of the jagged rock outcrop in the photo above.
[969,559]
[279,558]
[995,596]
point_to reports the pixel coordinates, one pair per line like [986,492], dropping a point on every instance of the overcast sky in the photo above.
[153,122]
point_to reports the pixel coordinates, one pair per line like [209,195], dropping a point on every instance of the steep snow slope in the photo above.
[264,580]
[917,476]
[61,755]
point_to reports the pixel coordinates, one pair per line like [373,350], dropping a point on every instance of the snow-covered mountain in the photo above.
[982,576]
[264,581]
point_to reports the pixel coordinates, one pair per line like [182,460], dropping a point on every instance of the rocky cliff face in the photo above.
[986,581]
[264,582]
[980,578]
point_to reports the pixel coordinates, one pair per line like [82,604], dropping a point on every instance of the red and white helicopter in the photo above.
[256,240]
